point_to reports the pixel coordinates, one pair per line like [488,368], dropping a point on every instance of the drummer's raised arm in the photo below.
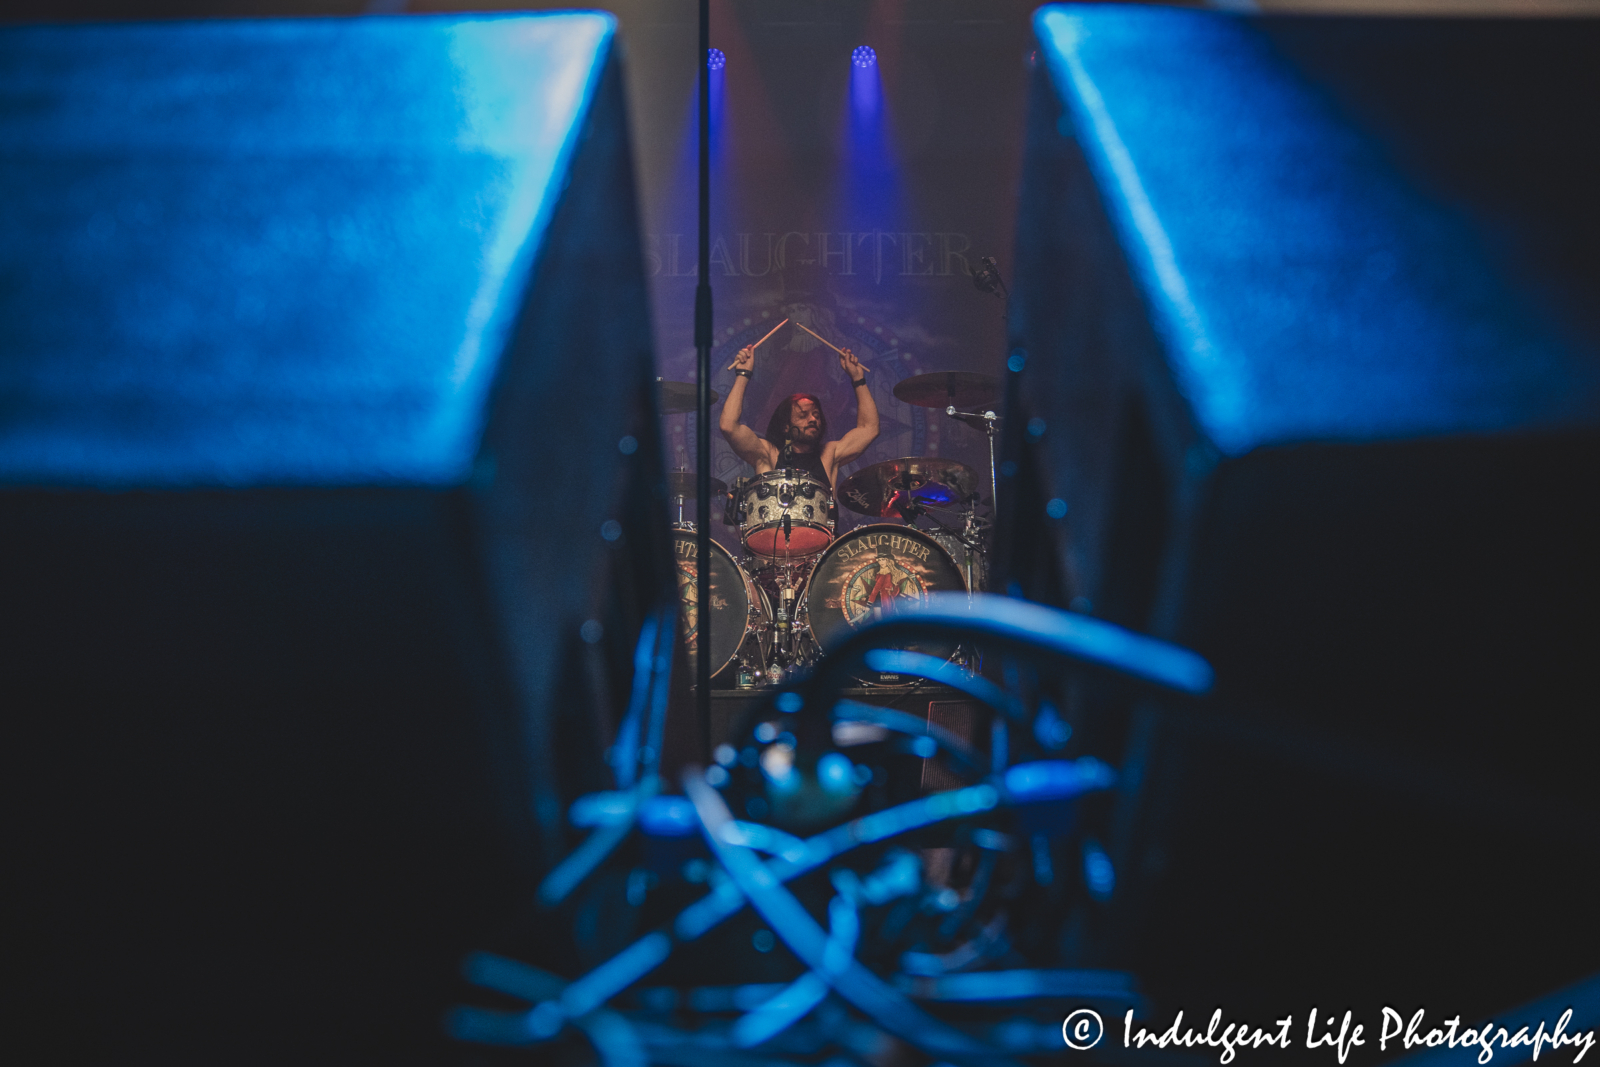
[741,437]
[855,442]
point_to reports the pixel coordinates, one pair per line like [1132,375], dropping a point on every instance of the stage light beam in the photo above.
[870,180]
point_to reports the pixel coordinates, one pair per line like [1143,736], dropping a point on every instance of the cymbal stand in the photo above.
[681,497]
[969,533]
[972,536]
[991,429]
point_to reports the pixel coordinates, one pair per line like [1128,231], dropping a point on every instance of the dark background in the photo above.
[954,74]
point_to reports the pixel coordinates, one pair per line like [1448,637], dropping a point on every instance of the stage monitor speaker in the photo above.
[332,506]
[1308,380]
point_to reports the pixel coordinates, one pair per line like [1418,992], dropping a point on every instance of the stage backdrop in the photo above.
[857,200]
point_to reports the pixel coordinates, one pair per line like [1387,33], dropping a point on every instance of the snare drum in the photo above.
[739,627]
[767,500]
[867,573]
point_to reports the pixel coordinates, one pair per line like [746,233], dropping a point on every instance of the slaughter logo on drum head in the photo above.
[876,583]
[871,570]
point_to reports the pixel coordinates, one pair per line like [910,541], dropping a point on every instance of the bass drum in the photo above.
[739,627]
[866,573]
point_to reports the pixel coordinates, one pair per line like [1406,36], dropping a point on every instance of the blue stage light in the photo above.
[715,59]
[864,56]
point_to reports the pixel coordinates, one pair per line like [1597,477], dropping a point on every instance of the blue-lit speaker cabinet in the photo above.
[1311,384]
[330,506]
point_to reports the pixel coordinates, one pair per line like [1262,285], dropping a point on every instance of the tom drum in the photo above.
[785,513]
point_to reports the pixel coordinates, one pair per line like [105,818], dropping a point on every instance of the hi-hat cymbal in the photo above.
[682,483]
[887,488]
[942,388]
[678,397]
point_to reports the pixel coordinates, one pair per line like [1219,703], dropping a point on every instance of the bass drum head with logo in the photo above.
[732,595]
[869,570]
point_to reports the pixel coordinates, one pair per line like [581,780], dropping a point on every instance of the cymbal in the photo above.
[682,483]
[678,397]
[941,388]
[884,489]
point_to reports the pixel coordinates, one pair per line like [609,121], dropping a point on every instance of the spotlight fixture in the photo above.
[864,56]
[715,59]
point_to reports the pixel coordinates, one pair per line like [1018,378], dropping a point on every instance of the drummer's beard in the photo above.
[807,435]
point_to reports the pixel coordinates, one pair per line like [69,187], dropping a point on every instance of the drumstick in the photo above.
[819,337]
[757,345]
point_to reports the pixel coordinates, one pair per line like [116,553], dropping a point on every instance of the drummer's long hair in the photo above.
[778,425]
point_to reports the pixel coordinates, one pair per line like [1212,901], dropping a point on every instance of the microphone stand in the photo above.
[986,279]
[702,347]
[989,422]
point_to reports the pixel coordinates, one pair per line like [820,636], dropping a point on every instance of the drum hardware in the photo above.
[965,545]
[749,674]
[790,633]
[681,484]
[732,504]
[989,423]
[966,397]
[887,489]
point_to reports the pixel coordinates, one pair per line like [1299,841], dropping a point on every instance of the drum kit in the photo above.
[797,584]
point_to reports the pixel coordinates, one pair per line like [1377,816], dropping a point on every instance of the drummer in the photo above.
[798,430]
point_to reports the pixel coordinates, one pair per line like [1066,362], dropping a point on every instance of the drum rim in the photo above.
[785,472]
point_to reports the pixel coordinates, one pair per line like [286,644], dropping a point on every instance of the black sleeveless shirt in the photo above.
[810,462]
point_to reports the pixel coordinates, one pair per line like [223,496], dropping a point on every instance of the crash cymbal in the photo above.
[682,483]
[887,488]
[942,388]
[678,397]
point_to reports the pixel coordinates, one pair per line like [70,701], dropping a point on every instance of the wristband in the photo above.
[741,372]
[862,381]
